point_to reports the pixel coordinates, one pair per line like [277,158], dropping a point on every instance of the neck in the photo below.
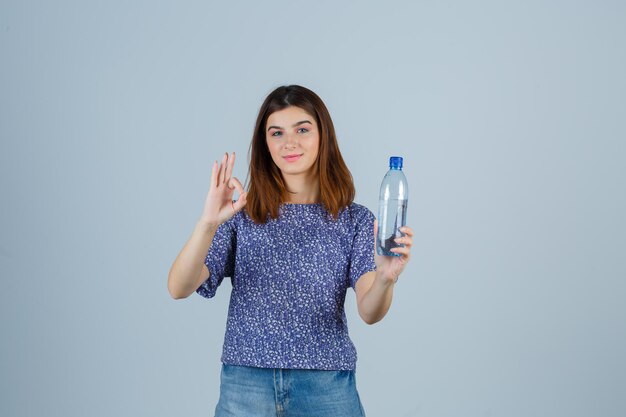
[302,189]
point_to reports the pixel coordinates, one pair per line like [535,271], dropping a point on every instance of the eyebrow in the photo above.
[297,124]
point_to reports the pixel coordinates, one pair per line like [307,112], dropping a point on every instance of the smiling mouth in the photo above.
[292,158]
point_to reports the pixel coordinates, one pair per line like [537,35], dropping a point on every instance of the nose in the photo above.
[290,141]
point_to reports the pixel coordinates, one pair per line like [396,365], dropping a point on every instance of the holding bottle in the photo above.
[393,199]
[286,317]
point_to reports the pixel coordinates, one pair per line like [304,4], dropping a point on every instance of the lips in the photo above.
[292,158]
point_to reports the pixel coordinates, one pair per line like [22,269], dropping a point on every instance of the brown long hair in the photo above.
[267,188]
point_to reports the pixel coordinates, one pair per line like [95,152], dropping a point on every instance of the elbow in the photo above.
[177,296]
[175,293]
[370,319]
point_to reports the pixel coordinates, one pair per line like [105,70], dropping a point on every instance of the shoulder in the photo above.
[359,214]
[358,210]
[235,222]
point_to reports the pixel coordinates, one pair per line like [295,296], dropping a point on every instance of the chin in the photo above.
[296,171]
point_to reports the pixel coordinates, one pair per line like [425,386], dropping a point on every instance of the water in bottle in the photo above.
[394,195]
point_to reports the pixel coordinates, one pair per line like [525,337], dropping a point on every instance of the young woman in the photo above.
[292,245]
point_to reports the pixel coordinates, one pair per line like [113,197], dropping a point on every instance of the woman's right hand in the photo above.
[219,205]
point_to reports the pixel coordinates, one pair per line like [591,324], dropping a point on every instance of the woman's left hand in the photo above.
[389,268]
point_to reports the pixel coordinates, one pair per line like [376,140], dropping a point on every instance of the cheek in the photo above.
[315,145]
[273,149]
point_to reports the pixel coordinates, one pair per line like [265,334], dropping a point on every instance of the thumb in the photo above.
[241,202]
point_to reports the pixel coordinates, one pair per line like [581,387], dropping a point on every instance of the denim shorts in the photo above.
[261,392]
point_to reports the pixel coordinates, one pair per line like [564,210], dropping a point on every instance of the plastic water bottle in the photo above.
[394,195]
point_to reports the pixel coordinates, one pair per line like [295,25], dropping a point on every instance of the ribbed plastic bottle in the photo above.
[393,199]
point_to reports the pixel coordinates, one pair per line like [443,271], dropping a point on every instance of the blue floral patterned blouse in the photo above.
[289,280]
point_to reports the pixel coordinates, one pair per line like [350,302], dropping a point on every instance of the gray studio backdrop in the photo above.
[510,116]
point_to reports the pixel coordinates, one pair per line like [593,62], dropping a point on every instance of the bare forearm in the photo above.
[375,303]
[186,274]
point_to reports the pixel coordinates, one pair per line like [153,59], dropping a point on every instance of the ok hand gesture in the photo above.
[219,205]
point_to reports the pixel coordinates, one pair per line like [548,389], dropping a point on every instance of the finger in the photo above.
[223,168]
[214,175]
[402,259]
[407,231]
[229,167]
[405,251]
[234,183]
[404,240]
[241,202]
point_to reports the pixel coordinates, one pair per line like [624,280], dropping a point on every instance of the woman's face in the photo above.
[293,140]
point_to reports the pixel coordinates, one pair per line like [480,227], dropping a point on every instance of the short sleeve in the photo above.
[362,254]
[220,259]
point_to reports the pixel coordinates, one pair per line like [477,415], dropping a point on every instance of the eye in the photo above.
[277,133]
[303,130]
